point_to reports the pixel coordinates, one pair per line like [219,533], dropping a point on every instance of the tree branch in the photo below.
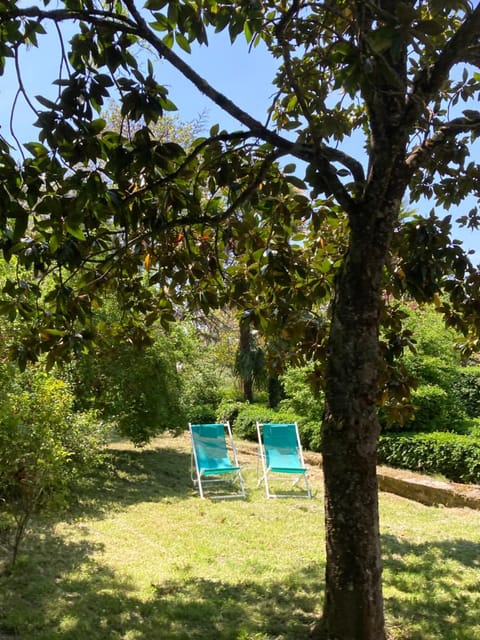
[447,131]
[429,80]
[135,25]
[169,177]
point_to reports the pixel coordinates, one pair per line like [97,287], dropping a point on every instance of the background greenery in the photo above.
[53,425]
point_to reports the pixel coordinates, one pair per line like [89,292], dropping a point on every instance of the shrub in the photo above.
[228,410]
[44,448]
[199,391]
[311,434]
[246,422]
[138,389]
[455,456]
[435,410]
[300,397]
[431,370]
[474,428]
[152,389]
[302,401]
[466,387]
[245,425]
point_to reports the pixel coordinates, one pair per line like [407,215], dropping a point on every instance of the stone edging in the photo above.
[428,490]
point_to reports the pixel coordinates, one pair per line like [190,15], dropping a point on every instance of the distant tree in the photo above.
[249,361]
[169,128]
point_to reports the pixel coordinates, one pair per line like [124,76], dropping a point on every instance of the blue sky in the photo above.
[245,77]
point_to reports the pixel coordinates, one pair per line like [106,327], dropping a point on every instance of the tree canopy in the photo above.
[230,219]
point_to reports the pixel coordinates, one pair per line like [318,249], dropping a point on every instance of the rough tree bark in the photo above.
[353,607]
[244,357]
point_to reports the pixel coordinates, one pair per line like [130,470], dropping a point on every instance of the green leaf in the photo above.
[21,224]
[75,232]
[296,182]
[381,39]
[247,31]
[45,102]
[169,40]
[36,149]
[155,5]
[183,42]
[161,23]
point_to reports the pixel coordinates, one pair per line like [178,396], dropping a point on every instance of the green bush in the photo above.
[137,389]
[311,434]
[145,391]
[474,428]
[455,456]
[430,370]
[245,425]
[466,387]
[45,447]
[228,410]
[435,410]
[199,391]
[300,397]
[302,401]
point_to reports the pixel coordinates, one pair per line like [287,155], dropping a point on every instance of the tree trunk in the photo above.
[243,363]
[353,607]
[248,390]
[275,391]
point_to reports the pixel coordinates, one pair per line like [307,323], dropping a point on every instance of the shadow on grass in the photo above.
[131,476]
[74,597]
[62,590]
[433,600]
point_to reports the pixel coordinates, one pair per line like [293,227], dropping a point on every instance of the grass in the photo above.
[143,558]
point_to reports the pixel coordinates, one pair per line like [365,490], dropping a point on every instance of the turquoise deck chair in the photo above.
[281,453]
[214,461]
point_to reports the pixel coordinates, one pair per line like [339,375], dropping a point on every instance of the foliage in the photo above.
[44,447]
[300,393]
[436,410]
[474,428]
[227,220]
[245,424]
[445,392]
[169,128]
[430,337]
[137,389]
[457,457]
[200,375]
[146,391]
[228,410]
[302,400]
[466,387]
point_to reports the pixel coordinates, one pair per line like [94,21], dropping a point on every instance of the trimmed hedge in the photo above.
[455,456]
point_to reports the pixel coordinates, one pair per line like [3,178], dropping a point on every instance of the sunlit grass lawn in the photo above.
[145,559]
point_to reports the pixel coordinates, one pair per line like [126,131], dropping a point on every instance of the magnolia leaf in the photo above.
[183,42]
[75,232]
